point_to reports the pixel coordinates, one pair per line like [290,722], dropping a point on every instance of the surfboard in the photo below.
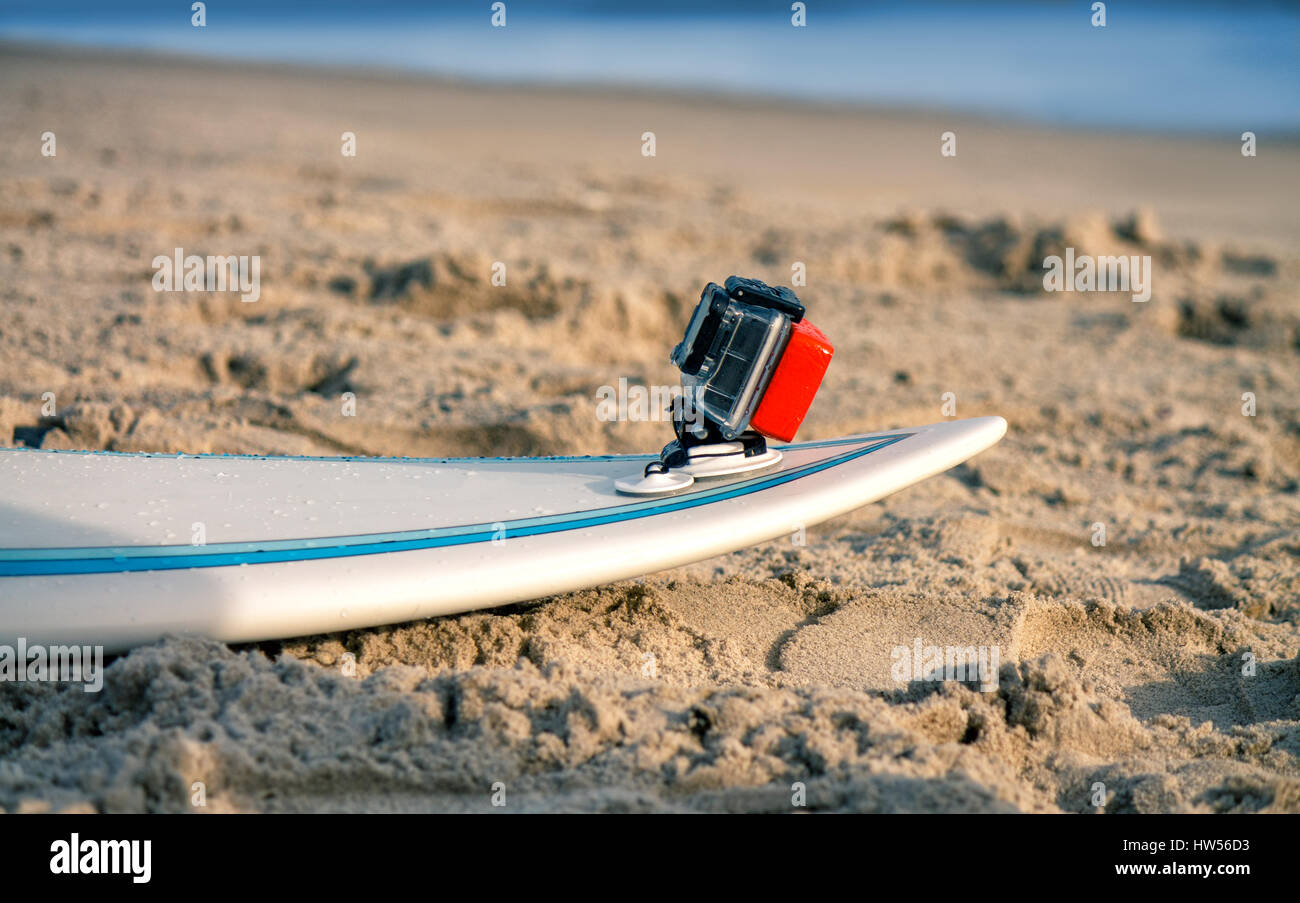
[119,549]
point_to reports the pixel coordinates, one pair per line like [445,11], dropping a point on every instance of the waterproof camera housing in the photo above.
[727,357]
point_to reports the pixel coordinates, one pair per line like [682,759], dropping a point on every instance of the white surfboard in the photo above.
[116,550]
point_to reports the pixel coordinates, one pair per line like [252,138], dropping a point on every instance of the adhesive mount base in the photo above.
[703,461]
[654,484]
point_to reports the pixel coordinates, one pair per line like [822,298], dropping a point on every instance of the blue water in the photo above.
[1169,66]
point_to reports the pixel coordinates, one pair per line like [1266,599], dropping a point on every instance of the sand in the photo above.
[750,682]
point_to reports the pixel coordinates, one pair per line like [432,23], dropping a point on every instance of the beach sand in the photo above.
[1160,666]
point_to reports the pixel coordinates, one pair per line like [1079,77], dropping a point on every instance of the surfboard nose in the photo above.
[996,425]
[990,429]
[979,433]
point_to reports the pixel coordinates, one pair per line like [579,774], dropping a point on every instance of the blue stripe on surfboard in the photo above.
[141,551]
[96,561]
[704,492]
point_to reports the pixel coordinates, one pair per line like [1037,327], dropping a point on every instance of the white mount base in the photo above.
[717,460]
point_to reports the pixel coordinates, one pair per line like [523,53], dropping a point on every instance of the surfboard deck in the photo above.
[119,549]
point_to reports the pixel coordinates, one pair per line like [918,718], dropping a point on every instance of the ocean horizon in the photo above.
[1170,67]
